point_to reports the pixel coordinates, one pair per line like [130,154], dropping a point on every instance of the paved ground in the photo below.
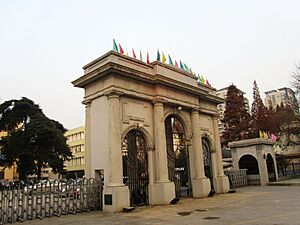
[269,205]
[291,182]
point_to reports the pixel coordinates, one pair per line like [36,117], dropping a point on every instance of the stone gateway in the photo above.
[151,132]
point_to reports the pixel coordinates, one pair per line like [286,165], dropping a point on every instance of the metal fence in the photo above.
[20,202]
[253,179]
[288,169]
[237,178]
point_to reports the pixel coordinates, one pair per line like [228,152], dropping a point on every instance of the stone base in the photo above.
[201,187]
[221,184]
[161,193]
[119,196]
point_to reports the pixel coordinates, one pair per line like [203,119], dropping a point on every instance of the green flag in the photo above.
[115,46]
[170,60]
[186,68]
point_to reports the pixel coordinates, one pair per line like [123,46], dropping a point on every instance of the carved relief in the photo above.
[135,111]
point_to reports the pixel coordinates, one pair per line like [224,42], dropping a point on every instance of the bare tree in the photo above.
[296,78]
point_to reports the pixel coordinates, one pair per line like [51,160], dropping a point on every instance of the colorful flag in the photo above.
[176,64]
[121,49]
[115,46]
[133,54]
[141,57]
[186,68]
[158,55]
[163,58]
[260,134]
[207,83]
[269,135]
[273,137]
[202,80]
[148,60]
[181,66]
[170,60]
[191,70]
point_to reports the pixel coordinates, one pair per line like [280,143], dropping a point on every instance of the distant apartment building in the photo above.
[10,173]
[282,95]
[222,93]
[74,168]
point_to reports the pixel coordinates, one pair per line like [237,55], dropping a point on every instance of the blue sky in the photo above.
[44,44]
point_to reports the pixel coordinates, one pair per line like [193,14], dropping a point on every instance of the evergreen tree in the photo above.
[261,116]
[33,141]
[236,118]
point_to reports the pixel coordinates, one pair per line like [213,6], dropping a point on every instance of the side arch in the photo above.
[135,166]
[249,162]
[209,138]
[148,137]
[207,158]
[271,167]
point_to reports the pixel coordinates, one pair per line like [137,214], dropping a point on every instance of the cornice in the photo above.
[108,65]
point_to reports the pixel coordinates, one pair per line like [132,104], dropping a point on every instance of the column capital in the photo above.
[214,116]
[113,94]
[195,111]
[158,101]
[87,102]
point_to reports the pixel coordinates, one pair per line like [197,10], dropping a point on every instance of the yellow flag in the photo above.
[163,58]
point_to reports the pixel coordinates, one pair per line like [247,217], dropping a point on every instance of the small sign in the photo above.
[108,199]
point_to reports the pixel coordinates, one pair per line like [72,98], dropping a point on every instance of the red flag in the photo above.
[176,64]
[207,83]
[133,54]
[148,61]
[121,49]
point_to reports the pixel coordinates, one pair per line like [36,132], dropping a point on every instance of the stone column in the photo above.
[160,143]
[221,181]
[115,189]
[150,165]
[162,191]
[200,184]
[87,144]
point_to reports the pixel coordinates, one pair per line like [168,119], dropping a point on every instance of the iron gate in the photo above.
[207,160]
[135,167]
[178,158]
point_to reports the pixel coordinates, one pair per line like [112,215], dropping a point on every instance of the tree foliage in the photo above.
[33,141]
[286,124]
[261,117]
[284,116]
[236,117]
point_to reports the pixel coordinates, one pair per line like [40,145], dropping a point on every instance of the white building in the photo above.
[282,95]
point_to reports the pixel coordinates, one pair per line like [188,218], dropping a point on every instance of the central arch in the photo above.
[178,157]
[135,167]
